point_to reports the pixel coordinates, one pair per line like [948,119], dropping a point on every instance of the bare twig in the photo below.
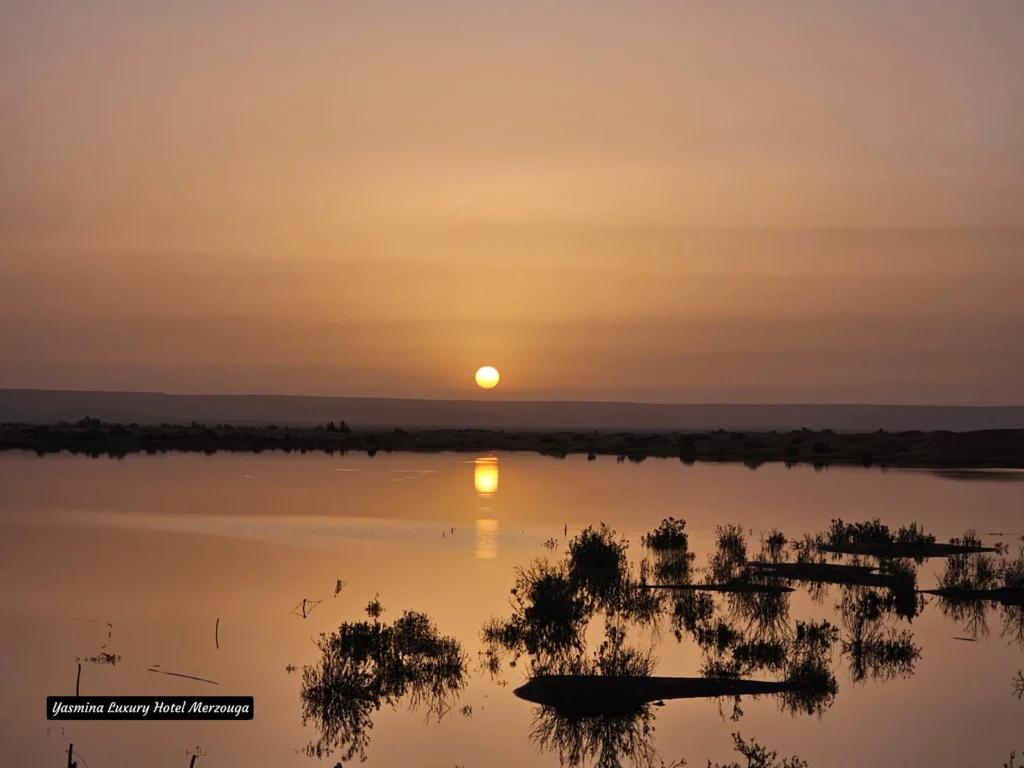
[78,681]
[303,609]
[101,658]
[216,633]
[188,677]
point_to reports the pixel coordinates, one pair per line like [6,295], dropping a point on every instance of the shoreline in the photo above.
[988,449]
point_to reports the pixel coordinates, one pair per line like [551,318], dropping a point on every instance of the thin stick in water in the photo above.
[78,680]
[192,762]
[216,633]
[71,763]
[187,677]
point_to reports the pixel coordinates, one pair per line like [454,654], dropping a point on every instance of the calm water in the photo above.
[161,547]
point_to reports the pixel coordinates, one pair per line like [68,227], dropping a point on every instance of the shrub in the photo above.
[671,534]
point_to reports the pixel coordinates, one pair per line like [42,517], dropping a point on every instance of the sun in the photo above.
[487,377]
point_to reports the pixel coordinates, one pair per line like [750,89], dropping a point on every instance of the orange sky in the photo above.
[801,201]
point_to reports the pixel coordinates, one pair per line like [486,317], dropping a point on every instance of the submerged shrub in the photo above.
[548,618]
[365,665]
[842,534]
[597,564]
[731,554]
[760,757]
[670,534]
[912,534]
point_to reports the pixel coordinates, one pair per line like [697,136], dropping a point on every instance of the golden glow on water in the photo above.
[485,475]
[255,546]
[487,539]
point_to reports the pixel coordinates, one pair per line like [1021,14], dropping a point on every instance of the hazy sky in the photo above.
[678,201]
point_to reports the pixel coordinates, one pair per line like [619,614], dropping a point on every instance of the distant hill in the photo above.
[51,406]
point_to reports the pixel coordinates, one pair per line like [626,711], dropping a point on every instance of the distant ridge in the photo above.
[50,406]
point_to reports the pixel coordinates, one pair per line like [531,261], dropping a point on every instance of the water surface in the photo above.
[162,547]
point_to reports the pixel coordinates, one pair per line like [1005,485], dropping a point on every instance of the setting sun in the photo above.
[487,377]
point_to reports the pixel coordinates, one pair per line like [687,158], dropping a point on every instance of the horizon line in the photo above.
[660,403]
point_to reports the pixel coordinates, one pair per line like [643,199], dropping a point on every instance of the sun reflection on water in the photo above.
[487,539]
[485,475]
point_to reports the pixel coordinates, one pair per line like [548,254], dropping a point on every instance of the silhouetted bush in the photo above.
[364,665]
[670,534]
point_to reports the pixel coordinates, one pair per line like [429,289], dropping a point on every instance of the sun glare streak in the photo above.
[487,539]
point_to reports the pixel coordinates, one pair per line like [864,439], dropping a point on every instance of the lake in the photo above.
[204,566]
